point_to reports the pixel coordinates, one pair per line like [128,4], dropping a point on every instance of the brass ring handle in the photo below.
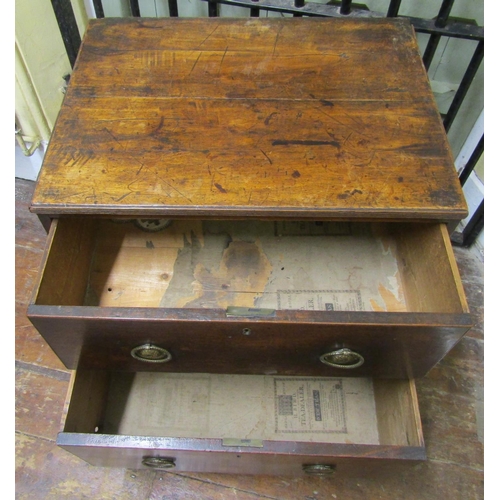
[318,469]
[152,225]
[151,354]
[342,358]
[159,462]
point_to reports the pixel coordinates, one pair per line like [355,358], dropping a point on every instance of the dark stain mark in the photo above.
[276,41]
[268,119]
[296,174]
[400,179]
[268,159]
[123,196]
[225,286]
[108,131]
[195,63]
[241,257]
[326,103]
[164,276]
[222,60]
[386,104]
[220,188]
[211,33]
[285,142]
[444,197]
[149,244]
[425,149]
[346,195]
[144,90]
[160,125]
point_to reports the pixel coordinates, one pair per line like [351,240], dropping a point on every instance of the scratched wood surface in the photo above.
[283,118]
[450,400]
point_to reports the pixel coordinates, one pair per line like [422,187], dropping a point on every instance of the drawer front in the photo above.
[211,457]
[106,288]
[383,344]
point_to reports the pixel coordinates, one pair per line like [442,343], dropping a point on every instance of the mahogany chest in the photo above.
[248,260]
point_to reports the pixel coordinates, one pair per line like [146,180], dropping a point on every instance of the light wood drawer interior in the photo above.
[257,264]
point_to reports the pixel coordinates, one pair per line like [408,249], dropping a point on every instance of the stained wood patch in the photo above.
[216,264]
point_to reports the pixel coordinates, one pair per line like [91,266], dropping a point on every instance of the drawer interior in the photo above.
[245,407]
[258,264]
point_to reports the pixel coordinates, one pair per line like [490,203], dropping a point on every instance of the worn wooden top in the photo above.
[272,118]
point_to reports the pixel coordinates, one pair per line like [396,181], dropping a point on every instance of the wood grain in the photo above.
[280,118]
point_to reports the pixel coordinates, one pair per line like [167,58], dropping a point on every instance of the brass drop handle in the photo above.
[318,469]
[159,462]
[342,358]
[150,353]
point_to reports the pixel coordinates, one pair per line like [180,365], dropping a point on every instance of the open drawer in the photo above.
[250,297]
[251,424]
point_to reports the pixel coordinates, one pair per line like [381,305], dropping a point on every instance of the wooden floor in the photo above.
[450,396]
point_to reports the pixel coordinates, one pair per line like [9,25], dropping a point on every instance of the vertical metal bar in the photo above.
[474,158]
[470,73]
[67,26]
[298,4]
[345,7]
[430,50]
[173,8]
[393,8]
[254,11]
[99,11]
[444,13]
[474,226]
[134,8]
[213,8]
[441,20]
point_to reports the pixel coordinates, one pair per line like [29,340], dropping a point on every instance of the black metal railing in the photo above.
[438,26]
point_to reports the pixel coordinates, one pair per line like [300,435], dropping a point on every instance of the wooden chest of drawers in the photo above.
[248,258]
